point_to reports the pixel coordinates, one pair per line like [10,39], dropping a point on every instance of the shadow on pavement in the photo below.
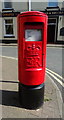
[10,98]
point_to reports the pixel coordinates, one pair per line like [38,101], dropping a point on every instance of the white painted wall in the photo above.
[23,6]
[20,6]
[60,24]
[1,6]
[1,28]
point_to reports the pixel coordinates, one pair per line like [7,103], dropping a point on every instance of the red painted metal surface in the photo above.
[32,54]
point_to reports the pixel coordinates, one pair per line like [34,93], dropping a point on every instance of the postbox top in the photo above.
[33,13]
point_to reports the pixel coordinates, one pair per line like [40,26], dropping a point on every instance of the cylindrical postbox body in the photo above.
[32,38]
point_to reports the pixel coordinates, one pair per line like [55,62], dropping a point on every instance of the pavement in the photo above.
[52,107]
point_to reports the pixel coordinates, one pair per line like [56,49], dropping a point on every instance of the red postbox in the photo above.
[32,38]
